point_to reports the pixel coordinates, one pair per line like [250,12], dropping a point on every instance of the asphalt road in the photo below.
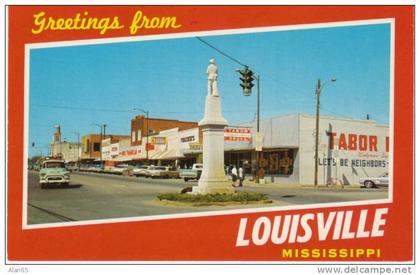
[93,196]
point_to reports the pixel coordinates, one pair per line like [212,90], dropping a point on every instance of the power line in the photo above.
[122,110]
[82,108]
[221,52]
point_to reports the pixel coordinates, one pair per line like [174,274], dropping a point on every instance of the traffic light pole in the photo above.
[257,178]
[246,84]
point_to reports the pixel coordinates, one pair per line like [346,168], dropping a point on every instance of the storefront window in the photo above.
[277,162]
[96,146]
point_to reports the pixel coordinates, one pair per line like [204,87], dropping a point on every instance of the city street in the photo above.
[93,196]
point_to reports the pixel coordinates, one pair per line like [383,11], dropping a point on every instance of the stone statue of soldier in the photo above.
[212,78]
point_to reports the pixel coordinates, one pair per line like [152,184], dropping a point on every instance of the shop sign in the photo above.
[131,151]
[115,149]
[159,140]
[355,142]
[238,134]
[196,146]
[188,139]
[106,142]
[150,146]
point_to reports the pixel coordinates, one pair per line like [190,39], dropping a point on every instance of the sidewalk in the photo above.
[288,185]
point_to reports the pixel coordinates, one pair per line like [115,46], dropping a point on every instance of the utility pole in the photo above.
[147,136]
[318,91]
[318,95]
[100,147]
[78,148]
[102,127]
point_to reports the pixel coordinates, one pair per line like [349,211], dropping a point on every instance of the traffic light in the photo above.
[246,79]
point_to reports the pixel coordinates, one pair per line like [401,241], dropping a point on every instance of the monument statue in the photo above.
[213,178]
[212,78]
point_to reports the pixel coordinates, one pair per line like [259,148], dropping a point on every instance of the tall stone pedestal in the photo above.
[213,178]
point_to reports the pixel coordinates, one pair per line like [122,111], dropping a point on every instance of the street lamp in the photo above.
[100,143]
[318,91]
[78,148]
[147,130]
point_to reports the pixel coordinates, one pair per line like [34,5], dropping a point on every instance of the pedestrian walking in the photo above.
[234,173]
[241,176]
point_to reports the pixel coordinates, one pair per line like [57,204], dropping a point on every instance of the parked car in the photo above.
[108,169]
[122,169]
[84,167]
[98,168]
[72,167]
[370,182]
[53,172]
[162,172]
[140,171]
[191,174]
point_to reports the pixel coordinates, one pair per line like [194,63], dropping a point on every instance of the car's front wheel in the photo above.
[369,184]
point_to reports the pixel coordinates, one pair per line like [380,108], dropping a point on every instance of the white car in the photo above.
[140,171]
[161,172]
[122,169]
[370,182]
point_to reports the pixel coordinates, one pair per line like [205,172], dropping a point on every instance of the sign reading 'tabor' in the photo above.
[237,134]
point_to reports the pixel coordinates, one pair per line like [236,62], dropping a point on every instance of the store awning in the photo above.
[156,154]
[170,154]
[189,152]
[122,158]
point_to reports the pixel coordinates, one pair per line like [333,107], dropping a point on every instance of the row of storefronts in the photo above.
[348,149]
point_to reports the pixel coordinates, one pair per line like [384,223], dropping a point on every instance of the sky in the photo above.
[77,86]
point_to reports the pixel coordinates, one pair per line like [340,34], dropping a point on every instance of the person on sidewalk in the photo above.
[241,176]
[234,173]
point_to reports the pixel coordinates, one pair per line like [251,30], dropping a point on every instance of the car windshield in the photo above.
[57,164]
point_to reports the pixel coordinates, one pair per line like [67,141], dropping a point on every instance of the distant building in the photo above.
[91,145]
[69,151]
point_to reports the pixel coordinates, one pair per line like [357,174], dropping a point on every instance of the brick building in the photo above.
[140,126]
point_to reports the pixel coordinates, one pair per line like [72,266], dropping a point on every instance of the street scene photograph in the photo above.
[224,121]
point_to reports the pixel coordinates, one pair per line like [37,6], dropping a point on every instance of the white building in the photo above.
[68,151]
[348,149]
